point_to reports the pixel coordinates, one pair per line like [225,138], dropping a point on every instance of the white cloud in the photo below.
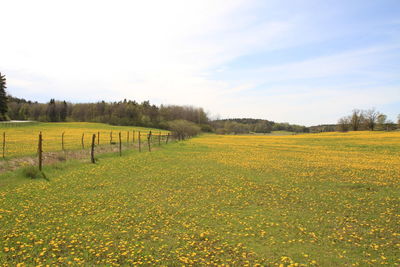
[86,50]
[170,51]
[126,46]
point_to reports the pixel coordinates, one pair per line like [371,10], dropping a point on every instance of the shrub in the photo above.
[31,172]
[183,129]
[206,128]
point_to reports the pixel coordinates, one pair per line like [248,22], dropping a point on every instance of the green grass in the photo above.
[308,199]
[9,124]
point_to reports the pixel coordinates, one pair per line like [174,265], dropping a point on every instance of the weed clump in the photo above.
[31,172]
[61,158]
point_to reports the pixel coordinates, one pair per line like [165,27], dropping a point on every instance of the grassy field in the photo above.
[22,139]
[308,200]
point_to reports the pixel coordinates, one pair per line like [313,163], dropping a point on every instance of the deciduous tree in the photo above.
[381,122]
[356,119]
[370,118]
[343,124]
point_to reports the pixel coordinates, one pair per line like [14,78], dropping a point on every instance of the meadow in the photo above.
[327,199]
[22,138]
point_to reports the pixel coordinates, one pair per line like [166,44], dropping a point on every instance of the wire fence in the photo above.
[47,147]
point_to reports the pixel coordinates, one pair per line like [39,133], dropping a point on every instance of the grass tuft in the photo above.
[31,172]
[61,158]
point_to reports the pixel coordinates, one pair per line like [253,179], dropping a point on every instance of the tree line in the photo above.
[369,119]
[247,125]
[124,112]
[128,112]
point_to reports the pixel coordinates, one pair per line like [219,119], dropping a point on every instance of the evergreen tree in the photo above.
[63,111]
[3,98]
[52,111]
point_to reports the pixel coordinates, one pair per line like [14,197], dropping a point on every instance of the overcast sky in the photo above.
[304,62]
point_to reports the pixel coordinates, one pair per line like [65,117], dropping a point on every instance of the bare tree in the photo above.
[370,118]
[343,124]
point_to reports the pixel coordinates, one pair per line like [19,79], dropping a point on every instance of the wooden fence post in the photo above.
[40,151]
[62,141]
[83,142]
[120,143]
[127,137]
[4,145]
[140,148]
[159,139]
[167,138]
[110,137]
[133,137]
[92,149]
[98,138]
[149,141]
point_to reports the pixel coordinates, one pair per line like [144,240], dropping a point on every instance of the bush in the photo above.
[183,129]
[220,131]
[233,127]
[206,128]
[31,172]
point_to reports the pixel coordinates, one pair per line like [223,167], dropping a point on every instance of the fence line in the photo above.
[14,145]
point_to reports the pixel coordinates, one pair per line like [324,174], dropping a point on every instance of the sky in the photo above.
[306,62]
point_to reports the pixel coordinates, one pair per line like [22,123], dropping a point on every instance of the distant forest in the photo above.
[247,125]
[124,112]
[129,112]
